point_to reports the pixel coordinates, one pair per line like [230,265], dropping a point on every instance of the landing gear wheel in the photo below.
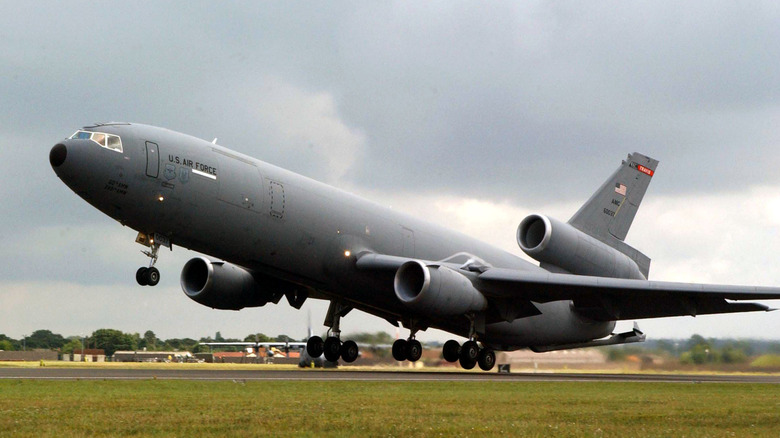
[140,276]
[486,359]
[451,351]
[399,350]
[349,351]
[469,353]
[332,349]
[413,350]
[315,346]
[152,276]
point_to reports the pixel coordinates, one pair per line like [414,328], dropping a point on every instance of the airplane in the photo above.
[254,347]
[270,233]
[305,359]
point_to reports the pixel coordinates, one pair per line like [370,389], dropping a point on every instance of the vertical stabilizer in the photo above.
[608,214]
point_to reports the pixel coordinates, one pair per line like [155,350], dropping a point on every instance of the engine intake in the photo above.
[436,290]
[550,241]
[222,285]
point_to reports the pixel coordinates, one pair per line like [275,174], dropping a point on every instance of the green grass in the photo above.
[333,408]
[767,361]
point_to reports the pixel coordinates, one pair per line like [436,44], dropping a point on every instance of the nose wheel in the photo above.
[148,276]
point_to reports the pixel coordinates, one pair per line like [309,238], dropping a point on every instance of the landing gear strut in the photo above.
[148,276]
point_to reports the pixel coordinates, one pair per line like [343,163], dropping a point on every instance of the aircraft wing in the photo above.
[599,298]
[604,299]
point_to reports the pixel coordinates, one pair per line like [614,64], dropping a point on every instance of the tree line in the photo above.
[111,340]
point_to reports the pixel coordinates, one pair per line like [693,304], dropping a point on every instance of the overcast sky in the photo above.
[472,115]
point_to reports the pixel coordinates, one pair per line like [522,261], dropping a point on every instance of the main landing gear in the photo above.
[407,349]
[469,355]
[332,347]
[148,276]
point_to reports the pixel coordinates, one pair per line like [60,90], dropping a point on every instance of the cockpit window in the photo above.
[108,141]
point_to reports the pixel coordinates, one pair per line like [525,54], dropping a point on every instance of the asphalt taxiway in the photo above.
[51,373]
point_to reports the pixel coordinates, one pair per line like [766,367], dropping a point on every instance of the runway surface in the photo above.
[50,373]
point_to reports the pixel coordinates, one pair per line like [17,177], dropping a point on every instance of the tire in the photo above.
[332,349]
[399,350]
[413,350]
[349,351]
[466,363]
[315,346]
[140,276]
[469,353]
[486,359]
[451,350]
[152,276]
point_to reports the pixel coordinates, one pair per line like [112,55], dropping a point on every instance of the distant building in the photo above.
[86,355]
[29,355]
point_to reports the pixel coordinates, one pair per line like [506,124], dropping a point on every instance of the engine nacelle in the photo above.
[436,290]
[222,285]
[550,241]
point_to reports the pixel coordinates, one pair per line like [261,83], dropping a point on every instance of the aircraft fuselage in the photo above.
[269,220]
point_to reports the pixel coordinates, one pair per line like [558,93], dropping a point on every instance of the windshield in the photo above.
[108,141]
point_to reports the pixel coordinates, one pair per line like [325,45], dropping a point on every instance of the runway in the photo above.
[50,373]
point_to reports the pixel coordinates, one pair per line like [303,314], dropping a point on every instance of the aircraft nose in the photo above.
[58,155]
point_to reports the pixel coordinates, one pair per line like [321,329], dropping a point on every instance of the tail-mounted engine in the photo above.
[436,290]
[222,285]
[552,242]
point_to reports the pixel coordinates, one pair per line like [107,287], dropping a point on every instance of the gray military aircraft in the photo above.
[274,233]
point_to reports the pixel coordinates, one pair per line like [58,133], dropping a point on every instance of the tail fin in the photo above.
[608,214]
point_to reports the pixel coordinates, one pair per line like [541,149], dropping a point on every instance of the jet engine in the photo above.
[222,285]
[552,242]
[436,290]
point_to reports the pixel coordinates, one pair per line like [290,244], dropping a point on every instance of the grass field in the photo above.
[338,408]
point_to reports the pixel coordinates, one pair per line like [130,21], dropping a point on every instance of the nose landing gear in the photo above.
[150,276]
[147,276]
